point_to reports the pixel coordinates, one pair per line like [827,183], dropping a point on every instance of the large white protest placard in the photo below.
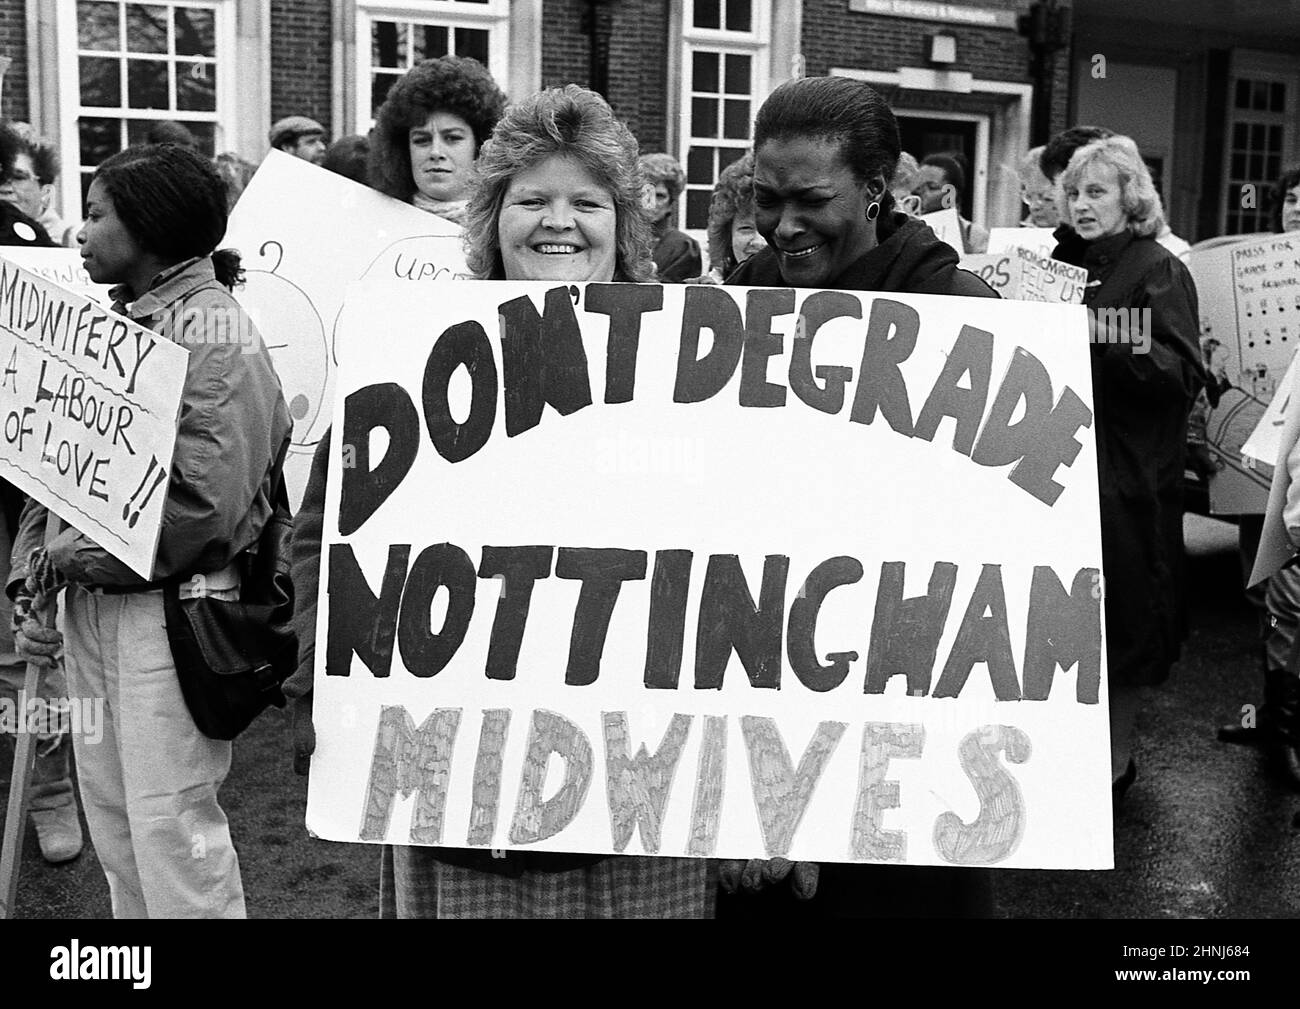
[947,227]
[305,233]
[1266,440]
[707,571]
[1026,275]
[1249,296]
[88,403]
[1041,239]
[59,266]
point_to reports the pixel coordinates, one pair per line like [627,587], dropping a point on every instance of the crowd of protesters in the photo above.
[554,187]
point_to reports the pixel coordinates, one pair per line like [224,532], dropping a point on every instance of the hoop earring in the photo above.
[873,211]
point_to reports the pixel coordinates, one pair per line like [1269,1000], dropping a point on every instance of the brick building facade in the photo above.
[686,75]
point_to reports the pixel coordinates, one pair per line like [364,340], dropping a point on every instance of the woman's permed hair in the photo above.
[664,168]
[733,197]
[576,123]
[1289,180]
[456,84]
[839,109]
[1137,193]
[173,203]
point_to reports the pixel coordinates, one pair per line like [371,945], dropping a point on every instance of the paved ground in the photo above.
[1204,832]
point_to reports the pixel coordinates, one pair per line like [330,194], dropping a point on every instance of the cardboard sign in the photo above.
[947,226]
[1249,295]
[305,233]
[1265,441]
[1023,274]
[62,267]
[88,404]
[708,571]
[1041,239]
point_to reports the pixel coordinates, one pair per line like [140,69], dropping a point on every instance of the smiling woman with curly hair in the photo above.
[428,133]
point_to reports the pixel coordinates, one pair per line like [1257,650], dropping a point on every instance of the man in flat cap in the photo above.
[302,137]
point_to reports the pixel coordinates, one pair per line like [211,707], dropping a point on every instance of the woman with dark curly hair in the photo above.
[429,131]
[1286,201]
[676,254]
[733,238]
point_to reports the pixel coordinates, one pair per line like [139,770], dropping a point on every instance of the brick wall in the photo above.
[301,34]
[13,43]
[638,60]
[834,36]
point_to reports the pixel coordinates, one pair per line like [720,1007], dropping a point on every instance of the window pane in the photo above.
[1260,98]
[146,84]
[1256,166]
[472,42]
[729,155]
[97,25]
[739,15]
[708,14]
[1238,166]
[1277,100]
[388,44]
[736,120]
[704,72]
[704,117]
[146,28]
[697,208]
[205,134]
[196,33]
[137,132]
[1239,135]
[1242,99]
[100,81]
[699,166]
[1275,139]
[1256,136]
[429,42]
[99,139]
[738,74]
[196,87]
[379,86]
[1273,169]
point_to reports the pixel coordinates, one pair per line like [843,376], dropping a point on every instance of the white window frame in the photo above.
[70,109]
[1259,66]
[755,43]
[495,16]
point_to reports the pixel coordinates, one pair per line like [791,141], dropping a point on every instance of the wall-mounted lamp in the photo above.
[943,49]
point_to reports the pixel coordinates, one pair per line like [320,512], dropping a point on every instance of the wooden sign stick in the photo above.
[16,814]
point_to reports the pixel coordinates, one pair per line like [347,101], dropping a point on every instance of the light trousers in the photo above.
[149,787]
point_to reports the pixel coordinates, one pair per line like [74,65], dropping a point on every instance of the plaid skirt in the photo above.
[414,884]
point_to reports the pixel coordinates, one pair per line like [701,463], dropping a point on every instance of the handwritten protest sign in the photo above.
[88,403]
[1025,275]
[1249,296]
[713,571]
[1275,544]
[947,227]
[1002,239]
[62,267]
[1265,441]
[305,234]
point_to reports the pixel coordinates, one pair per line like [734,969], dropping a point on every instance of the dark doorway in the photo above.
[942,136]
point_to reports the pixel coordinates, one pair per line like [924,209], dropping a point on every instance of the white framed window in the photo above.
[124,67]
[725,55]
[393,37]
[1261,139]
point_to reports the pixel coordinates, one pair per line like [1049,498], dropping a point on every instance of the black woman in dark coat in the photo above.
[1144,380]
[824,150]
